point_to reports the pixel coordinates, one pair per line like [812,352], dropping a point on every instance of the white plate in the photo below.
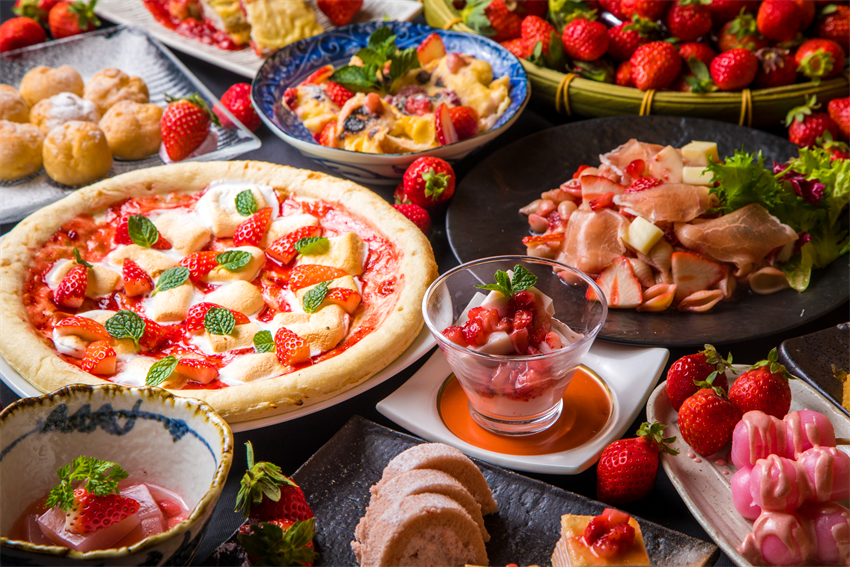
[420,346]
[629,372]
[243,62]
[704,487]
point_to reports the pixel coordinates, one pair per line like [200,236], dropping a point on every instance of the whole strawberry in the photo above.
[67,18]
[237,99]
[734,70]
[655,65]
[700,367]
[806,126]
[624,39]
[777,68]
[614,7]
[429,182]
[518,47]
[585,40]
[493,18]
[764,387]
[688,20]
[185,125]
[16,33]
[71,291]
[723,11]
[820,59]
[807,13]
[839,111]
[534,29]
[623,77]
[340,12]
[417,215]
[707,419]
[649,9]
[265,494]
[279,542]
[38,10]
[537,8]
[627,468]
[834,24]
[741,32]
[700,51]
[778,20]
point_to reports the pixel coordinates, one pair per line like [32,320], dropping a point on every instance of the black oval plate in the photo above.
[484,220]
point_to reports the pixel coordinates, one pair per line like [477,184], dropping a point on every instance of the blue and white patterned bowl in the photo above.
[294,63]
[178,443]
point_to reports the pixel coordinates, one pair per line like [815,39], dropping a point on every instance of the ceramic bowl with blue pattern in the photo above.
[178,443]
[289,66]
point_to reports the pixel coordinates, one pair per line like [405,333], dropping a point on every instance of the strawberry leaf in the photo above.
[142,231]
[313,299]
[263,341]
[100,478]
[161,370]
[233,260]
[126,325]
[171,278]
[219,321]
[246,204]
[272,545]
[261,480]
[313,245]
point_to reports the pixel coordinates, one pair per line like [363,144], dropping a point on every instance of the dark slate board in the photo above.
[336,481]
[811,357]
[484,220]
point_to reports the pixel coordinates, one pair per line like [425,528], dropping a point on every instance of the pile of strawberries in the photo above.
[678,45]
[60,18]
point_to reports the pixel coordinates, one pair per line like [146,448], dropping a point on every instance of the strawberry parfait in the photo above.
[516,349]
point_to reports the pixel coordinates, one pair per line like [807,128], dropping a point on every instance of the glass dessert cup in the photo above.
[512,394]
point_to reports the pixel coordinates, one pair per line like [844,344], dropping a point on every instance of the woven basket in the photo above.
[571,94]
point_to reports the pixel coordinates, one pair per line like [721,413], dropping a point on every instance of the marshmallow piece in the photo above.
[251,368]
[289,318]
[70,345]
[135,373]
[218,208]
[238,296]
[101,280]
[151,261]
[345,281]
[322,330]
[184,233]
[172,304]
[284,225]
[346,252]
[241,337]
[248,273]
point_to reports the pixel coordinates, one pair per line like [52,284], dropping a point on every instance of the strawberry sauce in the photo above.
[203,30]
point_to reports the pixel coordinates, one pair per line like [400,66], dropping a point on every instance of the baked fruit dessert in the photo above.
[432,99]
[76,153]
[44,82]
[48,113]
[13,106]
[132,129]
[257,288]
[111,85]
[611,538]
[20,149]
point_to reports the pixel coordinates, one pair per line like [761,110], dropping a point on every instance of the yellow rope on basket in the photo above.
[564,87]
[646,104]
[746,108]
[450,23]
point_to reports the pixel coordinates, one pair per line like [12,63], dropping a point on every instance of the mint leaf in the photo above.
[264,342]
[313,299]
[402,62]
[313,245]
[356,77]
[161,370]
[142,231]
[522,280]
[233,260]
[171,278]
[126,325]
[370,57]
[100,478]
[219,321]
[382,40]
[246,204]
[78,259]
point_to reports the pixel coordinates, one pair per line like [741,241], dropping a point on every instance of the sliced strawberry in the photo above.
[100,359]
[83,327]
[283,249]
[91,513]
[290,348]
[195,317]
[200,264]
[197,370]
[543,239]
[642,183]
[311,274]
[71,291]
[136,280]
[431,49]
[594,186]
[327,137]
[338,93]
[455,334]
[290,98]
[465,121]
[636,168]
[446,133]
[692,273]
[252,230]
[473,333]
[605,201]
[319,75]
[346,298]
[154,335]
[619,284]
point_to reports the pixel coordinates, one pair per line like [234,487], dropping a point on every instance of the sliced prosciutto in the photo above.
[742,237]
[593,239]
[628,152]
[670,202]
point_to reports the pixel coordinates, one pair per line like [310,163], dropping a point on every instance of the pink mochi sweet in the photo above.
[831,525]
[828,472]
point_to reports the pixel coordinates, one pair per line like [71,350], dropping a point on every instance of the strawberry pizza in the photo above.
[257,288]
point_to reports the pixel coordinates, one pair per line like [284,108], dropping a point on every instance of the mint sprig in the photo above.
[161,370]
[507,286]
[79,260]
[126,325]
[142,231]
[313,299]
[171,278]
[219,321]
[380,50]
[99,478]
[263,342]
[313,245]
[233,260]
[246,204]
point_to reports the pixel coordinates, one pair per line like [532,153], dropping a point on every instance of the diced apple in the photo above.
[430,49]
[696,175]
[666,165]
[700,153]
[642,235]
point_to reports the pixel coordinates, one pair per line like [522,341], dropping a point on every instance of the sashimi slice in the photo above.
[592,240]
[670,202]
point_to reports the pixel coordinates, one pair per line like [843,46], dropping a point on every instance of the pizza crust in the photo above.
[32,356]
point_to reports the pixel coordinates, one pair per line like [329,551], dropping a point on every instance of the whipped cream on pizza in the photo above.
[218,288]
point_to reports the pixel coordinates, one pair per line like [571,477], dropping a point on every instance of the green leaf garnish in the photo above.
[126,325]
[79,260]
[313,245]
[99,478]
[261,480]
[521,281]
[246,204]
[142,231]
[171,278]
[273,546]
[161,370]
[380,50]
[314,298]
[355,77]
[263,341]
[219,321]
[233,260]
